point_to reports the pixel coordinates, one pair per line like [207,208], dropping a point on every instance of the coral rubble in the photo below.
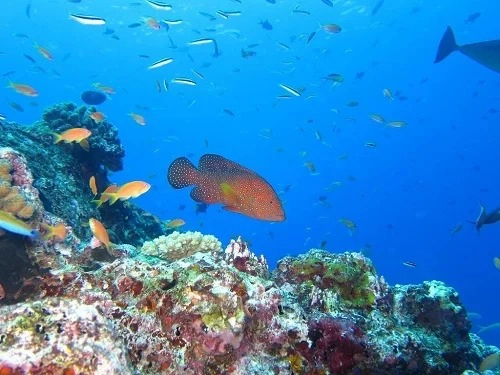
[59,336]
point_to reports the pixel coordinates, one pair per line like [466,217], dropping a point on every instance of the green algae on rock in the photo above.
[349,276]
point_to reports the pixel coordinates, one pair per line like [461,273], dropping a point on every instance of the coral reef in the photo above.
[69,171]
[58,336]
[333,281]
[184,305]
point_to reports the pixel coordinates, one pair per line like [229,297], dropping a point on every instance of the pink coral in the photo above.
[20,174]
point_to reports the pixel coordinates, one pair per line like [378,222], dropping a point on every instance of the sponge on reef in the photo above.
[181,245]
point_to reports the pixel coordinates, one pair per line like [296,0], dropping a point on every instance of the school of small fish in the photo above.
[190,41]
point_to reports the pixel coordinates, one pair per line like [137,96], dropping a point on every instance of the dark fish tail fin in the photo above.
[447,45]
[182,173]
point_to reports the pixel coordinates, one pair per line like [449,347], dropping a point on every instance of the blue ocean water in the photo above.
[405,195]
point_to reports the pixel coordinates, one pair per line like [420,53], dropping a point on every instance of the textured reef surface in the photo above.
[182,303]
[63,171]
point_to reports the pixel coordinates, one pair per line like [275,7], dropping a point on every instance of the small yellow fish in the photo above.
[176,223]
[396,124]
[377,118]
[138,118]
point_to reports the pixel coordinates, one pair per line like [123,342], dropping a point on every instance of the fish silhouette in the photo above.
[485,53]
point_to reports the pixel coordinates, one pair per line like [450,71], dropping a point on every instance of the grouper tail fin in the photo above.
[447,45]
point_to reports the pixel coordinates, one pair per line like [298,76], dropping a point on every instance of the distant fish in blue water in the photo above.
[266,25]
[28,10]
[88,20]
[410,264]
[201,208]
[16,106]
[109,31]
[93,97]
[30,58]
[74,1]
[485,53]
[472,17]
[486,218]
[246,54]
[271,1]
[377,7]
[328,2]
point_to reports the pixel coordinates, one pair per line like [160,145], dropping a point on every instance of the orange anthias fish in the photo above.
[332,28]
[59,231]
[129,190]
[100,232]
[219,180]
[44,52]
[93,185]
[104,196]
[78,135]
[98,117]
[21,88]
[152,23]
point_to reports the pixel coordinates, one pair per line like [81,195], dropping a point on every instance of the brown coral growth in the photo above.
[17,195]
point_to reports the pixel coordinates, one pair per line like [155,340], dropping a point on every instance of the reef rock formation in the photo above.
[67,168]
[185,305]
